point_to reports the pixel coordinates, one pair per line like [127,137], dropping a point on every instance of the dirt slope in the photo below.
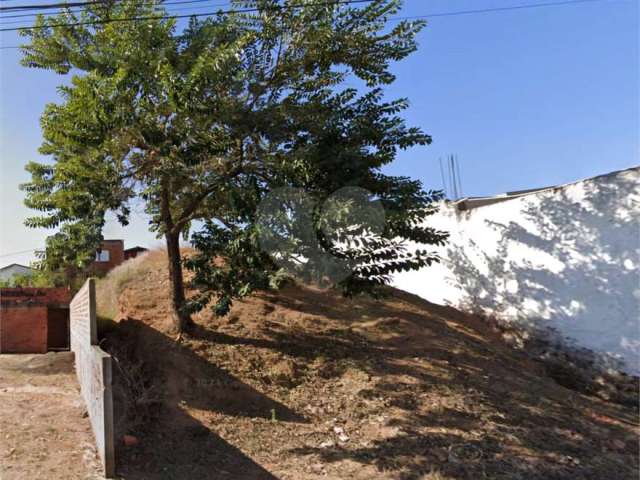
[304,384]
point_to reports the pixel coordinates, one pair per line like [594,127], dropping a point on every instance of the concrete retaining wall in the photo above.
[94,370]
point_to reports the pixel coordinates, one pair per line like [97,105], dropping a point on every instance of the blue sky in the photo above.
[524,98]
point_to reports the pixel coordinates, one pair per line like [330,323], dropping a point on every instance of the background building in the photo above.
[10,271]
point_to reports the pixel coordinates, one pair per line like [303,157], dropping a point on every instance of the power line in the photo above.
[83,3]
[499,9]
[414,17]
[62,7]
[177,10]
[76,10]
[17,253]
[164,17]
[48,6]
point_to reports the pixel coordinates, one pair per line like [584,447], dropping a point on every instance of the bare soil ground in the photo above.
[304,384]
[43,434]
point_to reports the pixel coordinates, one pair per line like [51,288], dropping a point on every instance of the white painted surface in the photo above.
[566,259]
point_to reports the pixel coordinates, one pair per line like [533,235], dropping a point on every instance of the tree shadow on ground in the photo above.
[180,447]
[175,444]
[450,396]
[504,409]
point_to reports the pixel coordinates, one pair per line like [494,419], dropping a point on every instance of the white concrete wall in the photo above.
[566,259]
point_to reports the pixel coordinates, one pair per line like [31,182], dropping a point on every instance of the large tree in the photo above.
[201,122]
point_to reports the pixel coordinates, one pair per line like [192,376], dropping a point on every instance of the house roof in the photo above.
[469,203]
[15,265]
[135,248]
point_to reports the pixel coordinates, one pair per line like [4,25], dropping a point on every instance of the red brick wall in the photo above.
[39,296]
[24,317]
[23,329]
[116,256]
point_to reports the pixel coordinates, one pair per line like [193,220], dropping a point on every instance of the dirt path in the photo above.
[43,433]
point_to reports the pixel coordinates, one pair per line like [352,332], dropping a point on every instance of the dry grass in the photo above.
[303,383]
[435,475]
[113,284]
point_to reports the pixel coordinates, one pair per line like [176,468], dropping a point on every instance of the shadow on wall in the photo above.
[568,262]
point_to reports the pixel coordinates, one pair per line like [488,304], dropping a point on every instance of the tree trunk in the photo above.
[181,319]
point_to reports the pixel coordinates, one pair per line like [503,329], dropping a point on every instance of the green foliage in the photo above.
[37,278]
[202,124]
[229,264]
[19,280]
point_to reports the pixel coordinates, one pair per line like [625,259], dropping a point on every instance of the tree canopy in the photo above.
[202,121]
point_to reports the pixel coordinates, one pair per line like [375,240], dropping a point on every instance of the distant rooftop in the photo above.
[469,203]
[12,265]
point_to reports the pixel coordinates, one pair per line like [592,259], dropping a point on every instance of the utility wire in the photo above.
[49,6]
[176,10]
[164,17]
[75,10]
[414,17]
[499,9]
[18,253]
[65,5]
[85,3]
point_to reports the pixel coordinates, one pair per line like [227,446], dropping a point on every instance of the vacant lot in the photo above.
[43,432]
[304,384]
